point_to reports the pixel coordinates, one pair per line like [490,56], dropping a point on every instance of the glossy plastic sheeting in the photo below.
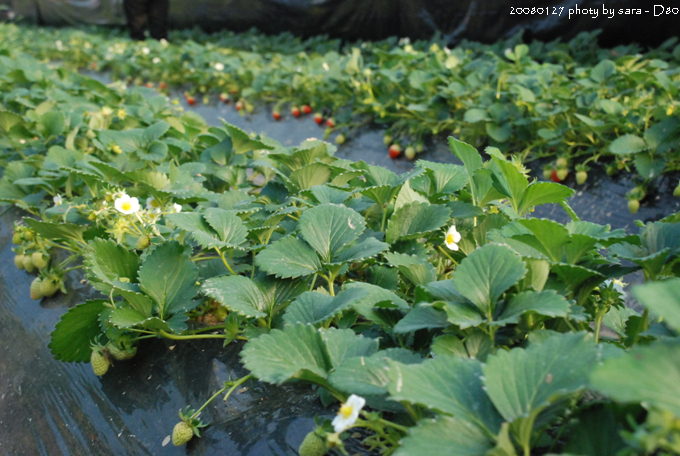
[52,408]
[479,20]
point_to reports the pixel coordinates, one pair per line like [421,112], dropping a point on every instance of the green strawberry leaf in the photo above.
[449,385]
[445,436]
[168,276]
[108,261]
[50,231]
[239,294]
[327,228]
[648,374]
[344,344]
[521,382]
[367,376]
[297,351]
[415,219]
[487,273]
[70,341]
[663,299]
[313,308]
[547,303]
[539,193]
[288,257]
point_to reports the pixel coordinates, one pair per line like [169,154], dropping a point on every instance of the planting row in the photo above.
[430,305]
[572,101]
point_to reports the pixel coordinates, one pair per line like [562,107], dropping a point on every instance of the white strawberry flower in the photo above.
[219,66]
[177,208]
[146,51]
[348,413]
[156,60]
[153,205]
[127,205]
[57,200]
[452,238]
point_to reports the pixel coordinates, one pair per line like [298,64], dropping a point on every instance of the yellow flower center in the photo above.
[126,206]
[155,203]
[346,411]
[449,239]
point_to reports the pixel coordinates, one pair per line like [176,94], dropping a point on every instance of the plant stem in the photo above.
[197,412]
[167,335]
[224,260]
[236,384]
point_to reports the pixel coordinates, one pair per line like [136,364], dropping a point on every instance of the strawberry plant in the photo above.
[428,308]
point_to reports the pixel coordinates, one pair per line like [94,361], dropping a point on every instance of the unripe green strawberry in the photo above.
[340,139]
[387,139]
[633,205]
[28,263]
[38,260]
[676,192]
[36,289]
[547,174]
[19,261]
[182,433]
[561,162]
[16,238]
[220,313]
[49,287]
[143,242]
[562,173]
[312,445]
[120,354]
[28,235]
[100,364]
[420,147]
[581,177]
[611,170]
[410,152]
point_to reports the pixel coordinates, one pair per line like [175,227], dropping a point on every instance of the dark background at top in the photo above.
[478,20]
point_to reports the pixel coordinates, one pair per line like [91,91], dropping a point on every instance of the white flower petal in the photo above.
[127,205]
[452,238]
[348,413]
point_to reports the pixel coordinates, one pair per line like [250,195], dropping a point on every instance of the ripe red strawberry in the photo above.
[295,111]
[395,150]
[318,118]
[554,176]
[182,433]
[190,99]
[93,65]
[276,114]
[162,85]
[306,109]
[330,122]
[224,98]
[239,105]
